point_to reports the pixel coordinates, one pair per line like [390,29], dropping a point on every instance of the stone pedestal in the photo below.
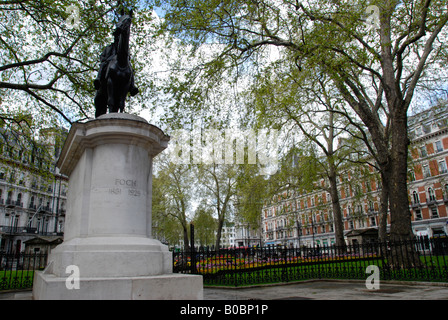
[108,224]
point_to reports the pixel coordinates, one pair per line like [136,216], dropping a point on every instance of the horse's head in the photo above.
[124,23]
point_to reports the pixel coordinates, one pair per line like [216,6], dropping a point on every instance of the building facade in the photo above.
[32,192]
[428,178]
[295,219]
[246,236]
[228,234]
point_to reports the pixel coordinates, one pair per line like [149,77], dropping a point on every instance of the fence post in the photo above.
[192,250]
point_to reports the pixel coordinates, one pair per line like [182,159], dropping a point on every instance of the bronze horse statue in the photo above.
[115,77]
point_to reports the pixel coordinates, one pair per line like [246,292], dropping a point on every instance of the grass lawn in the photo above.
[20,279]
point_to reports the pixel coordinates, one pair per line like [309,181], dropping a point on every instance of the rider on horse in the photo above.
[108,53]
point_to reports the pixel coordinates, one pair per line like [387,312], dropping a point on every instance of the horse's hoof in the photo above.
[134,91]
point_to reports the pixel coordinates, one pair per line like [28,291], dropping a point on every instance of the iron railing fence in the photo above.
[17,269]
[421,259]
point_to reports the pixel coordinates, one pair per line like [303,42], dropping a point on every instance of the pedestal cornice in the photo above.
[108,129]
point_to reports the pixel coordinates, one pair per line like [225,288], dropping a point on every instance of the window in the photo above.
[438,232]
[411,175]
[423,152]
[16,221]
[439,147]
[22,179]
[372,221]
[418,214]
[418,131]
[432,196]
[426,171]
[368,186]
[361,223]
[359,209]
[415,197]
[434,213]
[442,167]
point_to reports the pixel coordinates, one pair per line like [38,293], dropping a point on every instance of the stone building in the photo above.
[32,192]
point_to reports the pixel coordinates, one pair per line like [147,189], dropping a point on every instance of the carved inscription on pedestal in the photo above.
[129,184]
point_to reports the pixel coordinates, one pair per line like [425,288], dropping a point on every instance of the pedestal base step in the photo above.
[160,287]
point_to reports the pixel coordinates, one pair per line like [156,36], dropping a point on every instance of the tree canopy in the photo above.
[378,60]
[49,54]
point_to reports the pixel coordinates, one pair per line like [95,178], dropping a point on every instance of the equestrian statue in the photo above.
[115,76]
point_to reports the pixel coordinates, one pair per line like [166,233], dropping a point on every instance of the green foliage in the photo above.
[204,225]
[49,65]
[251,192]
[375,70]
[172,187]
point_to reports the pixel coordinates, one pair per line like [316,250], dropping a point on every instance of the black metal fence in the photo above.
[17,269]
[422,259]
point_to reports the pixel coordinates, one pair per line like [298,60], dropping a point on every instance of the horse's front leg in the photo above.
[111,96]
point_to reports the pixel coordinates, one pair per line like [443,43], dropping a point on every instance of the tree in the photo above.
[204,225]
[174,183]
[251,192]
[165,226]
[314,110]
[219,186]
[376,70]
[50,50]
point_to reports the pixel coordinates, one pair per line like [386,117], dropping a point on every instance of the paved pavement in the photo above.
[310,290]
[331,290]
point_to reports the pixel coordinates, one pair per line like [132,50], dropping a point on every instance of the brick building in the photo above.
[294,219]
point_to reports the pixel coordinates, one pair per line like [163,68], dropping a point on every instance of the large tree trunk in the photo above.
[400,215]
[186,240]
[398,197]
[384,205]
[402,250]
[218,233]
[337,212]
